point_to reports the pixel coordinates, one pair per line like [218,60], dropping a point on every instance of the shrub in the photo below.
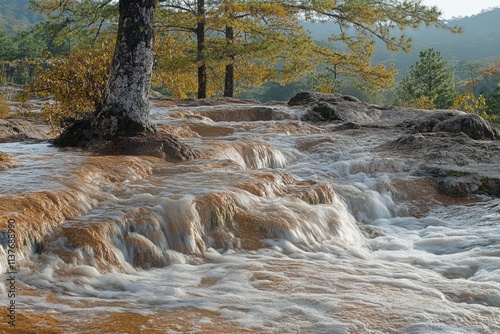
[475,105]
[75,83]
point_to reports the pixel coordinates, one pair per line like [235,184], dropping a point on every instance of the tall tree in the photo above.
[239,32]
[177,18]
[124,110]
[431,79]
[229,73]
[472,70]
[247,41]
[77,22]
[200,39]
[493,101]
[253,41]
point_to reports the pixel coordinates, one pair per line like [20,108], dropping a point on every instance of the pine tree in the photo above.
[247,41]
[429,79]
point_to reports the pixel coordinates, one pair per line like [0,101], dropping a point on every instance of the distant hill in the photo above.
[480,40]
[15,15]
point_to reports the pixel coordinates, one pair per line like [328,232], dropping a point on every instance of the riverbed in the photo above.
[280,226]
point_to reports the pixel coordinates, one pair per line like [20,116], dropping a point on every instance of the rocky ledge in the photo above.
[321,107]
[458,152]
[19,129]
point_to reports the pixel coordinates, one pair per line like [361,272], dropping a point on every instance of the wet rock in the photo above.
[251,114]
[347,126]
[14,129]
[472,125]
[321,112]
[161,145]
[461,182]
[10,91]
[335,107]
[212,102]
[457,165]
[5,160]
[205,130]
[308,98]
[4,157]
[234,113]
[443,148]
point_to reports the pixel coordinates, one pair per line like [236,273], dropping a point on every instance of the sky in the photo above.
[451,8]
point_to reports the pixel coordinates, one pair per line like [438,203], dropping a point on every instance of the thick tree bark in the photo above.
[200,37]
[229,75]
[124,111]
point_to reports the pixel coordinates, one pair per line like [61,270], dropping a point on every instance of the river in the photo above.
[280,227]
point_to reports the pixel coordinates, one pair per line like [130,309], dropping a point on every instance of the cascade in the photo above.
[279,225]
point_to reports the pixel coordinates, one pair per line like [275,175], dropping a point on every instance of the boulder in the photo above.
[213,102]
[472,125]
[320,107]
[308,98]
[322,112]
[335,107]
[244,114]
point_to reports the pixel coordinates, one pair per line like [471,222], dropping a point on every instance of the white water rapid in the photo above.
[279,227]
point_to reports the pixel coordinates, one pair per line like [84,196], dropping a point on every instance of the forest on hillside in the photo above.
[16,16]
[42,46]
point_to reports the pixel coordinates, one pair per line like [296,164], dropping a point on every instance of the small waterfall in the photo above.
[93,223]
[82,188]
[250,155]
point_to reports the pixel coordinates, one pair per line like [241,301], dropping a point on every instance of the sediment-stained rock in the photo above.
[17,129]
[5,160]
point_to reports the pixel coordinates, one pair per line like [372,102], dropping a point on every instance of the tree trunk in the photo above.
[229,75]
[124,110]
[200,37]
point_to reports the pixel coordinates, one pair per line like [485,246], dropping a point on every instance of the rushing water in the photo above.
[280,227]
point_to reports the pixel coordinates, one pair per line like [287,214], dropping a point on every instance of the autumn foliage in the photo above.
[75,82]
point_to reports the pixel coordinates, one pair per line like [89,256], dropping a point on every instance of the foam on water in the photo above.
[292,231]
[251,155]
